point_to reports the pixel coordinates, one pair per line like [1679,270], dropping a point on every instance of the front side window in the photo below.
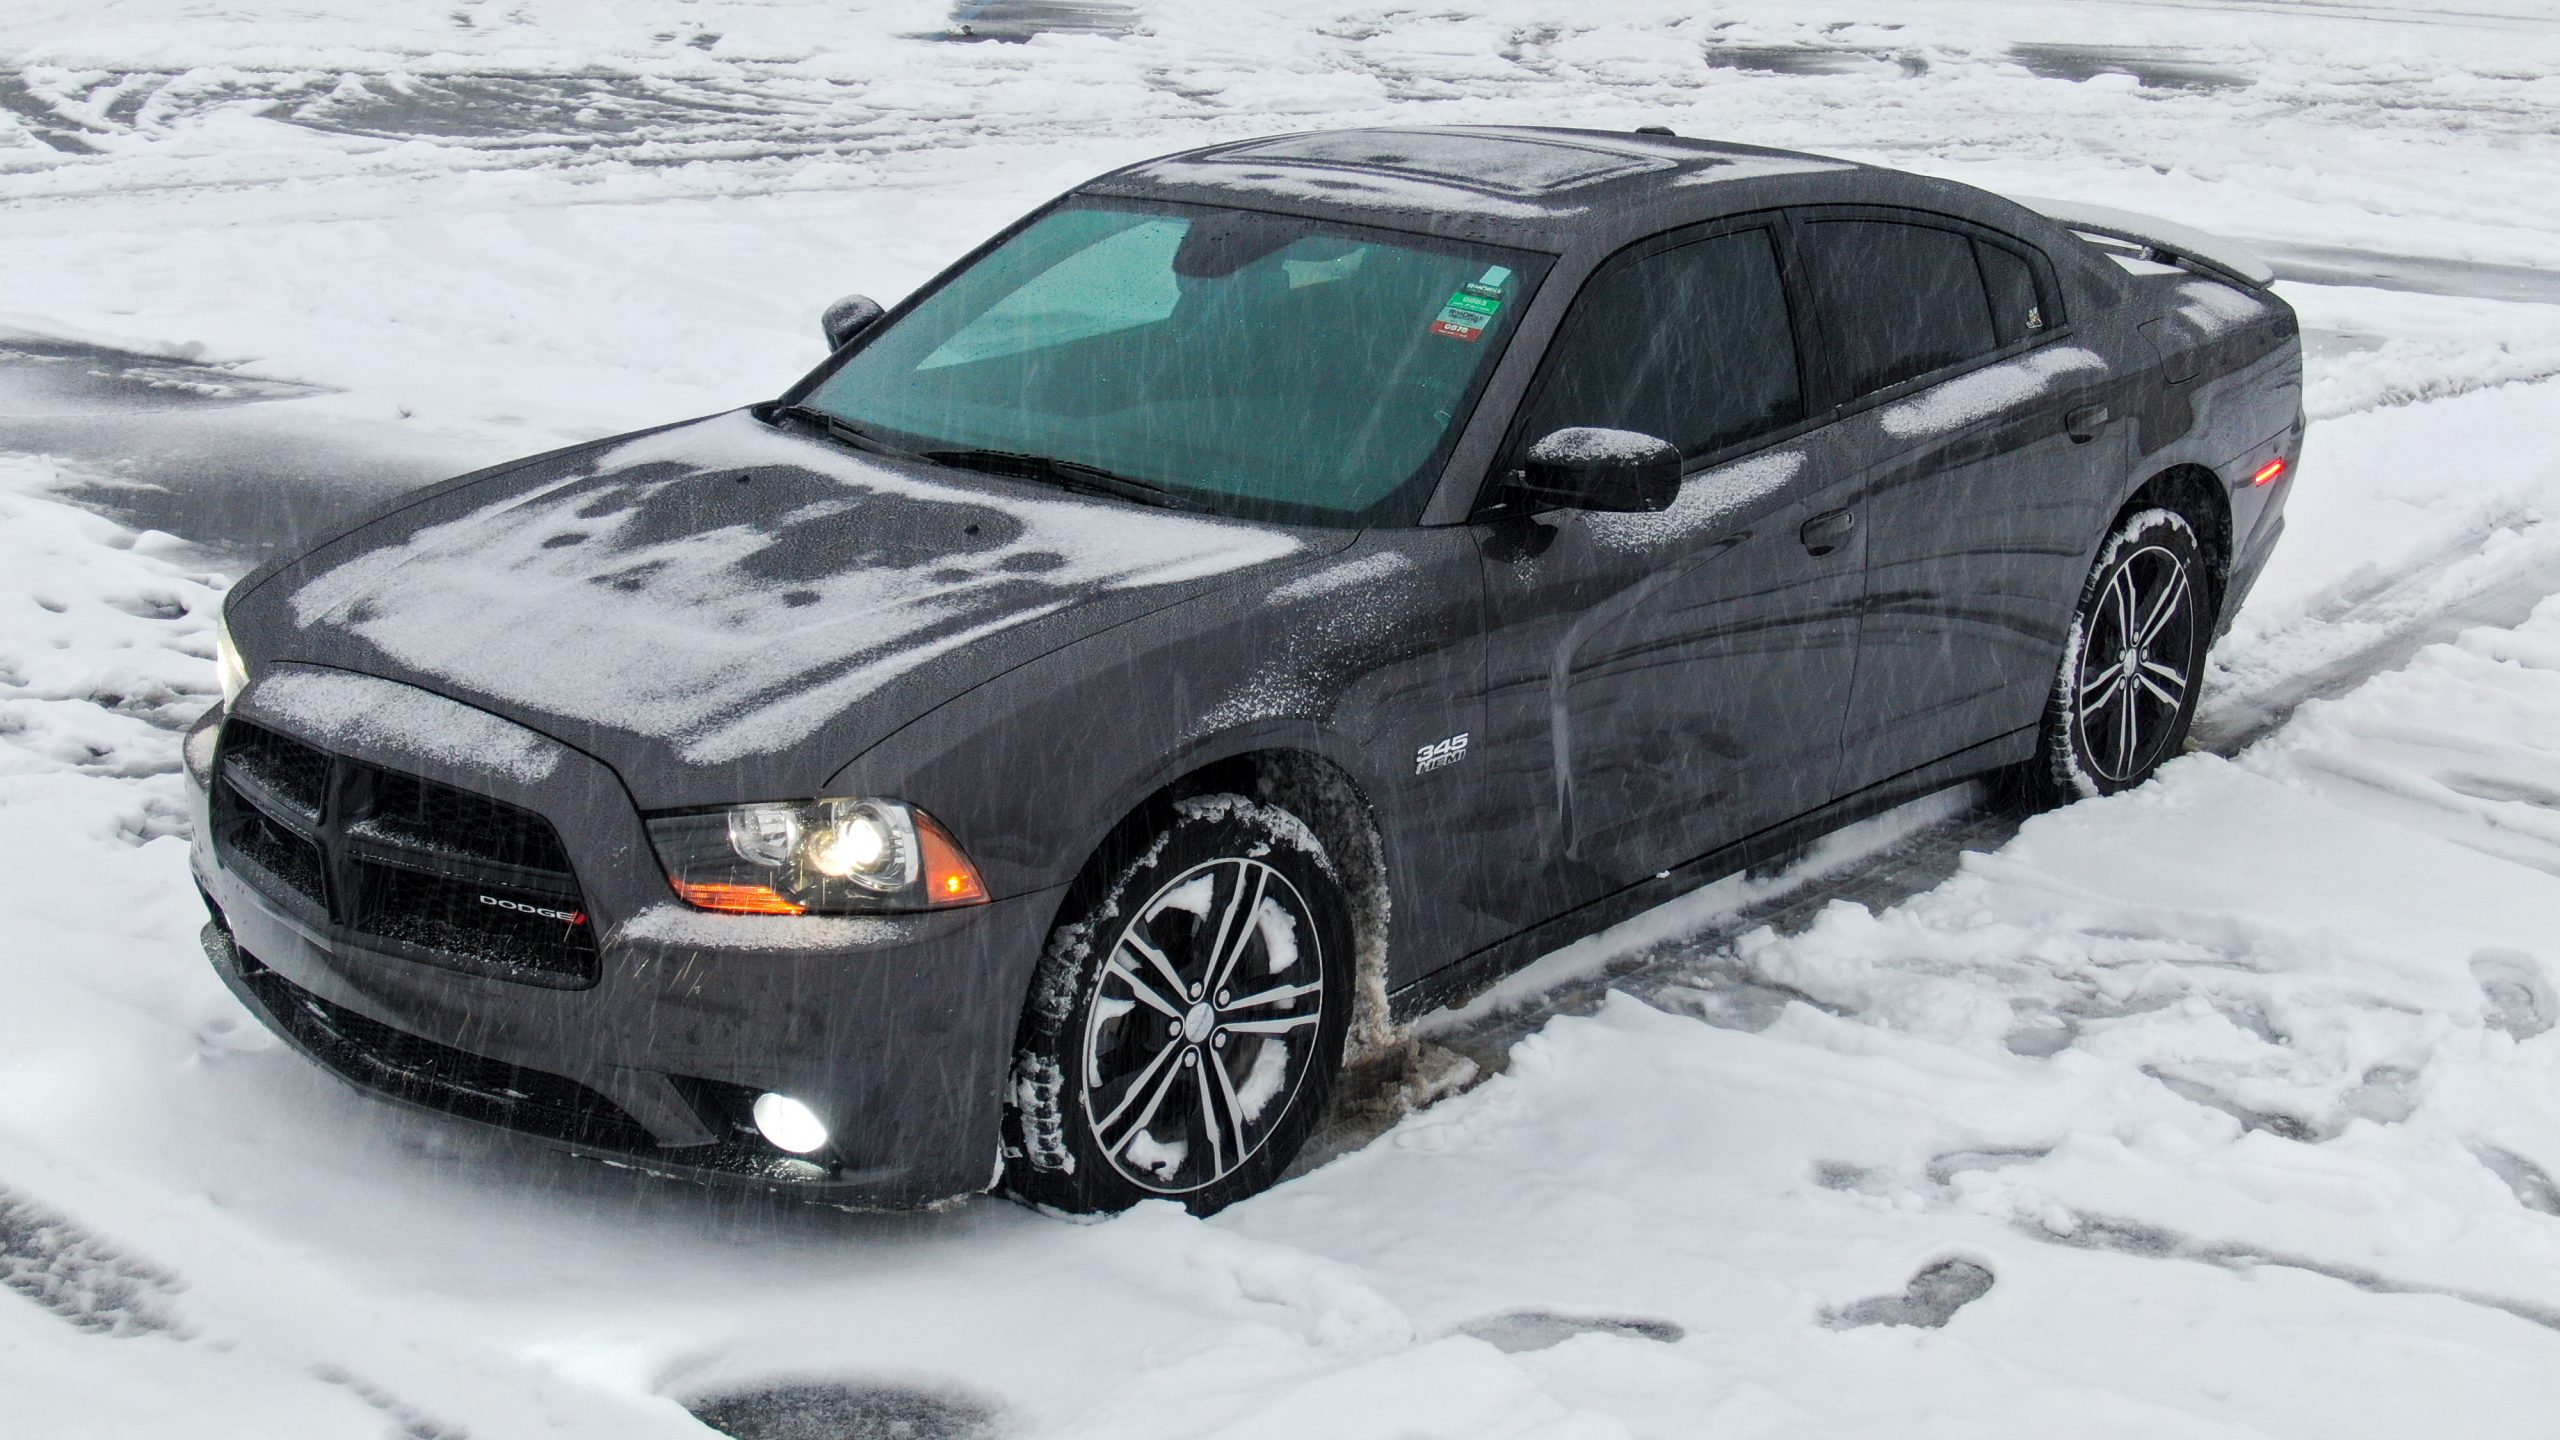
[1257,365]
[1691,345]
[1899,301]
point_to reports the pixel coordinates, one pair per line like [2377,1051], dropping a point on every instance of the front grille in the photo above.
[416,1069]
[411,866]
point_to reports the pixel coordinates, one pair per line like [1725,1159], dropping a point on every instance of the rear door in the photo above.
[1661,684]
[1994,457]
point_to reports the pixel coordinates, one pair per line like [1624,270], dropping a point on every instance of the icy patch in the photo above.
[1931,1299]
[1706,500]
[1988,392]
[1515,1332]
[339,709]
[813,1410]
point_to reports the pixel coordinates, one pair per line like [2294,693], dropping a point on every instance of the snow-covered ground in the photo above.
[2230,1107]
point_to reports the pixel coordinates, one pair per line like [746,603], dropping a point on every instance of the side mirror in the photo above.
[1586,468]
[847,318]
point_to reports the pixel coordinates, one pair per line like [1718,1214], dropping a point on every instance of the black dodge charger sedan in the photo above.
[1266,592]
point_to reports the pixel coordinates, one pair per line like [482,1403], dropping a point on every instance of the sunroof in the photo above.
[1480,162]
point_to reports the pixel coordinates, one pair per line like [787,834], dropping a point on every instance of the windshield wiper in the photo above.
[1066,474]
[840,429]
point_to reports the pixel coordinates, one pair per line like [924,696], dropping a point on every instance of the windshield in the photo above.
[1263,366]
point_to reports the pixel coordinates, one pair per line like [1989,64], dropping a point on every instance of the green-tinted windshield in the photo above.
[1249,364]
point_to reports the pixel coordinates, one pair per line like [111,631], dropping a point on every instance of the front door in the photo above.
[1661,684]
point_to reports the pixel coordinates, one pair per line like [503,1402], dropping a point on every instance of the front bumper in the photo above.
[897,1030]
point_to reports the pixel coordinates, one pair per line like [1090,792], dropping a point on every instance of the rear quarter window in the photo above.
[2016,310]
[1898,301]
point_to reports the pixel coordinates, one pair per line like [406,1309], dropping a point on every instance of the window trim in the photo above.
[2039,266]
[1495,499]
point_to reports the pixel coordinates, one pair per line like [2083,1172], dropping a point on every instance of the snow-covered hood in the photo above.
[725,611]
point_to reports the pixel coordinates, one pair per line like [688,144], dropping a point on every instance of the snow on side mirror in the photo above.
[1584,467]
[847,318]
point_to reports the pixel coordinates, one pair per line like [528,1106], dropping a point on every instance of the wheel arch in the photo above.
[1321,791]
[2196,494]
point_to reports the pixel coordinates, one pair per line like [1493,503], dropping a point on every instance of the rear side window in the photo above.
[1899,300]
[1691,345]
[2015,313]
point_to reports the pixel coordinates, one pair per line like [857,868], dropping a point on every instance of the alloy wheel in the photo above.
[1205,1020]
[2137,660]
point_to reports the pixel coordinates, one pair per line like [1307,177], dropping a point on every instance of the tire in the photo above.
[1187,1020]
[2120,710]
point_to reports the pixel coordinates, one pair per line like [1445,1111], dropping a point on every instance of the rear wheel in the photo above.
[2126,692]
[1188,1019]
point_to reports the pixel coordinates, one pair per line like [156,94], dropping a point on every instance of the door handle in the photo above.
[1827,532]
[2082,424]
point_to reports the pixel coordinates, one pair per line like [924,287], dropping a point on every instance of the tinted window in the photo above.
[1691,345]
[1900,300]
[2015,313]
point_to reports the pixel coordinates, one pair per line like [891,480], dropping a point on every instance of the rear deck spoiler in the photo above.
[2166,240]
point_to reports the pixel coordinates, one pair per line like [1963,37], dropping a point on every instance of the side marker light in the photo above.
[2268,472]
[738,899]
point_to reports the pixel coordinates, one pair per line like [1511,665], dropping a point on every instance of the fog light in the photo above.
[789,1124]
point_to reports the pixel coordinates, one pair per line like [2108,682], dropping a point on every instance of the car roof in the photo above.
[1549,189]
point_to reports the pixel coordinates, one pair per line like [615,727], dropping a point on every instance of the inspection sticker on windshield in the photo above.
[1459,324]
[1466,315]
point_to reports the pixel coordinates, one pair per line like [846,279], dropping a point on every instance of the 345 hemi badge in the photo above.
[1440,753]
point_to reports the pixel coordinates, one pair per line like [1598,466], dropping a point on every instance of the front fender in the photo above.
[1361,659]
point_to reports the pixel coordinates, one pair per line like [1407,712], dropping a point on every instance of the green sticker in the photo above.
[1477,303]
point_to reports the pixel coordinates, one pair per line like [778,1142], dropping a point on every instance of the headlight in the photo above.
[815,856]
[235,671]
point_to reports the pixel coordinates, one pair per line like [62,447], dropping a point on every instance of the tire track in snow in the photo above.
[86,1281]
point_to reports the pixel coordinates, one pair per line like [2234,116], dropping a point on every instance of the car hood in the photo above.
[723,610]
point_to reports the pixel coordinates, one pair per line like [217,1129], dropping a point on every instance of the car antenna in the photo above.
[1657,130]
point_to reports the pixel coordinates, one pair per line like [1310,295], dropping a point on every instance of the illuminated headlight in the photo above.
[226,655]
[789,1124]
[814,856]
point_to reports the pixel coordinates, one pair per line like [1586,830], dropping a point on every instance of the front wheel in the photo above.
[1188,1017]
[2126,692]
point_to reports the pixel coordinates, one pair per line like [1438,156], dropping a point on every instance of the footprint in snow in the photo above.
[1514,1331]
[1929,1301]
[2519,995]
[807,1410]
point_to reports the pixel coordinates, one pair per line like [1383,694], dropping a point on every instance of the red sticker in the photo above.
[1456,332]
